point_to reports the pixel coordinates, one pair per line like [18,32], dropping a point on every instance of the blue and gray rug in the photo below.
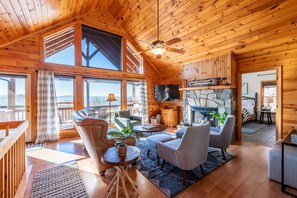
[169,180]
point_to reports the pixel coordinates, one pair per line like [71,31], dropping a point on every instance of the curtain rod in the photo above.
[266,74]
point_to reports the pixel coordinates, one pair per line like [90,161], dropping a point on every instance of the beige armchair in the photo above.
[189,152]
[93,132]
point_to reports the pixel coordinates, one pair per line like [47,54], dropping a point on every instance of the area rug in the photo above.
[169,180]
[62,181]
[252,127]
[33,147]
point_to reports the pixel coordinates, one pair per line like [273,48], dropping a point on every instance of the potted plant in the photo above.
[120,136]
[220,117]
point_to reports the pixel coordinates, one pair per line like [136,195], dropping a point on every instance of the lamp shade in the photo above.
[111,97]
[158,50]
[269,99]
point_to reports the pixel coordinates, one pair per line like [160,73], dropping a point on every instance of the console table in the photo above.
[286,141]
[120,163]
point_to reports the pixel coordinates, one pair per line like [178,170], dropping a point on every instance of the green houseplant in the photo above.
[220,117]
[120,136]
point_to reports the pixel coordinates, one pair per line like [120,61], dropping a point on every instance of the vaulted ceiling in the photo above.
[207,28]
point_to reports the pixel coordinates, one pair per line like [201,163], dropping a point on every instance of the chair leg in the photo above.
[184,177]
[223,153]
[162,164]
[158,159]
[148,153]
[201,168]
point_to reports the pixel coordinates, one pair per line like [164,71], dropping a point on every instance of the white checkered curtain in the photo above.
[47,110]
[143,101]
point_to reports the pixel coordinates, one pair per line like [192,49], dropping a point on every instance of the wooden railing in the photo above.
[12,157]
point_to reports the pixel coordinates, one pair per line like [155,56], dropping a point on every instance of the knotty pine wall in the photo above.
[267,59]
[24,57]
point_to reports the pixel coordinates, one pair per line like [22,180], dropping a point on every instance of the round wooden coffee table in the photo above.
[150,128]
[120,163]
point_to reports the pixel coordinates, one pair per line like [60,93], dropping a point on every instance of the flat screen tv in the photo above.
[167,92]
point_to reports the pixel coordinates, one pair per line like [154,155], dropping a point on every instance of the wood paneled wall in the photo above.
[25,56]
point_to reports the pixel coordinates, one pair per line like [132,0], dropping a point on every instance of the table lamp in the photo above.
[110,98]
[268,100]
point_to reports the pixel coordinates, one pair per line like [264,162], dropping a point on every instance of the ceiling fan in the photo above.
[159,47]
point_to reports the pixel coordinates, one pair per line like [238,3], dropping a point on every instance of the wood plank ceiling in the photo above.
[207,27]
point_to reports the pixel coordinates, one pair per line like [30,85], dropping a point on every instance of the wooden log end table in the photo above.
[120,163]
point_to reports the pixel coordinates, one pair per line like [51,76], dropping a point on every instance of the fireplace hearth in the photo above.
[200,113]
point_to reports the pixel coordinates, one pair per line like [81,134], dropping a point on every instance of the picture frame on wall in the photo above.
[244,88]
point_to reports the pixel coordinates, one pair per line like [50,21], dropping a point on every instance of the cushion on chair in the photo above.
[174,143]
[154,139]
[180,132]
[124,114]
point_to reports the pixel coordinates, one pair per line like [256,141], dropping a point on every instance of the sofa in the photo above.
[93,132]
[124,119]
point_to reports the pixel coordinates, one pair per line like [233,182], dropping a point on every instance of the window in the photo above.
[65,100]
[101,49]
[133,97]
[268,89]
[134,62]
[95,95]
[59,47]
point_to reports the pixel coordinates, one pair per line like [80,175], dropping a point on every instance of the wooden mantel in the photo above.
[208,87]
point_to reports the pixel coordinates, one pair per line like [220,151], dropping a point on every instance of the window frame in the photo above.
[129,47]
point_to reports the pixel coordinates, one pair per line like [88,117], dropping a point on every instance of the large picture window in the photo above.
[65,100]
[133,97]
[101,49]
[95,95]
[59,47]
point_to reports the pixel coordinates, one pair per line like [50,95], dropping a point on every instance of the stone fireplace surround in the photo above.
[223,99]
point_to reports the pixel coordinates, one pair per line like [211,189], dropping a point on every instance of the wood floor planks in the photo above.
[244,176]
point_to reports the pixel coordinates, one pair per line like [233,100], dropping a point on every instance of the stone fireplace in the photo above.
[198,103]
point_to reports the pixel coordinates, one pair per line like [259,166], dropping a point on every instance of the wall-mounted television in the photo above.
[168,92]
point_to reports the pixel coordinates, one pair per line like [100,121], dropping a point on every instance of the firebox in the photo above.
[200,113]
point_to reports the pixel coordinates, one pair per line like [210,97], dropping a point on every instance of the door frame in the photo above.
[279,96]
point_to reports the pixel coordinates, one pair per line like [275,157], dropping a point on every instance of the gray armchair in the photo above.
[189,152]
[125,119]
[222,139]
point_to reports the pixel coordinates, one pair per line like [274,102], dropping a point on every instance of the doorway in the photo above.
[262,98]
[15,100]
[258,99]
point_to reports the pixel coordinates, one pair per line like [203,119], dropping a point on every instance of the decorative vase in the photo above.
[122,149]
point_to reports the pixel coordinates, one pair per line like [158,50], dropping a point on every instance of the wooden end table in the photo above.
[120,163]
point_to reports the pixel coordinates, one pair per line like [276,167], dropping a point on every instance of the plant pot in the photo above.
[122,149]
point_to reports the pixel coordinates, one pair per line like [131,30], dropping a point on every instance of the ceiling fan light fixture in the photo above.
[158,51]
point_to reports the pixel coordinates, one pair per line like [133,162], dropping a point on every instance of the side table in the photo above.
[286,141]
[120,163]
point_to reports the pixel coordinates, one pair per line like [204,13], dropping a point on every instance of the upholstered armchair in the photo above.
[222,139]
[93,132]
[125,119]
[188,152]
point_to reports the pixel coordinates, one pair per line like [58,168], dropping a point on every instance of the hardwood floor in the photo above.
[245,176]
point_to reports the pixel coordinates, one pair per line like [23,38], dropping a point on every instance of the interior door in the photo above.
[15,99]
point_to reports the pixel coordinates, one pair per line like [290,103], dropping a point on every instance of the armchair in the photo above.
[93,132]
[188,152]
[125,120]
[222,139]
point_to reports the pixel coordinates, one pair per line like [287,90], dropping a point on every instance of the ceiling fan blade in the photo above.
[140,52]
[158,56]
[172,41]
[181,51]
